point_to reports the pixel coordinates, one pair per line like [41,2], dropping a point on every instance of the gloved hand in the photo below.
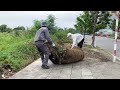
[53,44]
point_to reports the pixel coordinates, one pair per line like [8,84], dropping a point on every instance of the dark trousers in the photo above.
[44,52]
[80,44]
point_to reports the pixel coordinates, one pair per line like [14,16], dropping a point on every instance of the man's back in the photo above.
[77,37]
[40,35]
[43,34]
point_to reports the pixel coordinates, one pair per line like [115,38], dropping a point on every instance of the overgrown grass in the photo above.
[89,46]
[16,51]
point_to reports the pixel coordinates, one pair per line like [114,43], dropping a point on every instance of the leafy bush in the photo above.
[17,52]
[61,37]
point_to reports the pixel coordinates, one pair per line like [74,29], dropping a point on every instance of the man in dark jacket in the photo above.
[41,36]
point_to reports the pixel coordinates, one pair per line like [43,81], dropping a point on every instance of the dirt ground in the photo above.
[96,55]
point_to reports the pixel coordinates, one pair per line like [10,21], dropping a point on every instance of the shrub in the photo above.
[61,37]
[17,52]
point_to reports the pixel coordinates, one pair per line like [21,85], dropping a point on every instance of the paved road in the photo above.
[105,43]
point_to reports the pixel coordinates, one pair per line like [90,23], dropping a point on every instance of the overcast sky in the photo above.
[25,18]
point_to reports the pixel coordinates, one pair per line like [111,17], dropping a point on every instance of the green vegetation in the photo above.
[17,47]
[16,52]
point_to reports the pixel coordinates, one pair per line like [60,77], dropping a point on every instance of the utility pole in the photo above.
[116,33]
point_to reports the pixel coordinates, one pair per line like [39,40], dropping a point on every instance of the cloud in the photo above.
[25,18]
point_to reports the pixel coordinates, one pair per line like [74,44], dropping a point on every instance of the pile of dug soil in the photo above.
[96,54]
[63,54]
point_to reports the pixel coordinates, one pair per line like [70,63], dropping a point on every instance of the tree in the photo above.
[100,20]
[37,24]
[84,23]
[88,22]
[71,30]
[19,28]
[94,21]
[51,23]
[8,30]
[95,13]
[81,25]
[4,28]
[112,24]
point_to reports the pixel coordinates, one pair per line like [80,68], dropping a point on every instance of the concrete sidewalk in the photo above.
[87,69]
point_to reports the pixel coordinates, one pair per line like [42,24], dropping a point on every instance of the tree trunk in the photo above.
[93,40]
[84,34]
[94,28]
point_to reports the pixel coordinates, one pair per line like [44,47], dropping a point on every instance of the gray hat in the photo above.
[44,24]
